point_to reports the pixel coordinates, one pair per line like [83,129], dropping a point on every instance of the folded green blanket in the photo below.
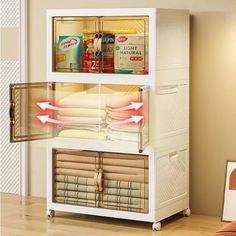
[138,193]
[106,183]
[105,197]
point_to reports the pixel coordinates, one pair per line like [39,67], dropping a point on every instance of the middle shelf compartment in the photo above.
[114,113]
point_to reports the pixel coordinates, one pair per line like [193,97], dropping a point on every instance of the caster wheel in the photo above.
[156,226]
[186,212]
[50,213]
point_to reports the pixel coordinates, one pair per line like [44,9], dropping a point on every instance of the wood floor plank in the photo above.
[26,216]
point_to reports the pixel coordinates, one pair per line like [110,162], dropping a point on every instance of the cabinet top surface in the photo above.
[102,11]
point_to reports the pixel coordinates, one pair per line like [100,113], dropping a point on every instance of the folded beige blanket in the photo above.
[115,190]
[129,160]
[82,120]
[121,115]
[106,183]
[140,178]
[83,112]
[117,100]
[106,168]
[84,100]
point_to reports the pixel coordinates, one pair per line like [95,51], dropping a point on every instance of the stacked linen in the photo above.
[125,185]
[74,177]
[119,127]
[128,188]
[83,115]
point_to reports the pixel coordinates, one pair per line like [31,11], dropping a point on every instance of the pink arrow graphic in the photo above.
[45,119]
[135,119]
[133,105]
[46,105]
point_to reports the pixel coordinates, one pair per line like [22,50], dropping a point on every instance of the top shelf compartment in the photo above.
[100,44]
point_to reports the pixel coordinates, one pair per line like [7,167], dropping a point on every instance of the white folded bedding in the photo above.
[84,112]
[84,100]
[99,100]
[117,100]
[83,134]
[81,120]
[95,128]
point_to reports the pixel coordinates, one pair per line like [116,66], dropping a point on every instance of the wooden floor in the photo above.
[27,216]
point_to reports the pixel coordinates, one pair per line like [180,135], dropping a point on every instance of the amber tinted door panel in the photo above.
[127,38]
[125,182]
[73,43]
[74,175]
[24,125]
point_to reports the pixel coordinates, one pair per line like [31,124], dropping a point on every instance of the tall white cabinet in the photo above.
[115,110]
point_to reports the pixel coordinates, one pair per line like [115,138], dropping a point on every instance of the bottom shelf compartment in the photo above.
[101,179]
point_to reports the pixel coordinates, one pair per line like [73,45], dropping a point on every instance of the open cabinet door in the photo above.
[24,124]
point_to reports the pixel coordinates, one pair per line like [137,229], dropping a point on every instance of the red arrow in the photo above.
[45,119]
[46,105]
[133,105]
[135,119]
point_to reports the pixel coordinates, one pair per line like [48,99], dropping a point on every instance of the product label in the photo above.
[69,43]
[129,52]
[68,53]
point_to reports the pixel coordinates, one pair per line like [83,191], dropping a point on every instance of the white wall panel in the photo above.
[10,72]
[9,13]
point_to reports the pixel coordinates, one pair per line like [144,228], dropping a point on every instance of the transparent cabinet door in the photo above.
[129,35]
[101,179]
[73,40]
[109,113]
[114,44]
[24,125]
[74,175]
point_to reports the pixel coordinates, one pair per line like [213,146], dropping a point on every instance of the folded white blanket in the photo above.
[81,120]
[84,112]
[83,134]
[95,128]
[84,100]
[99,100]
[118,100]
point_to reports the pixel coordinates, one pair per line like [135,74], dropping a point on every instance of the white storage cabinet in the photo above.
[104,156]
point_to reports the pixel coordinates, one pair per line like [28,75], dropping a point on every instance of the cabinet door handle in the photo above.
[173,155]
[168,89]
[100,180]
[12,113]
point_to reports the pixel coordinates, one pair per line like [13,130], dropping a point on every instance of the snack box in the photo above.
[130,54]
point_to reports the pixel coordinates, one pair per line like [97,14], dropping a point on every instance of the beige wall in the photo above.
[213,112]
